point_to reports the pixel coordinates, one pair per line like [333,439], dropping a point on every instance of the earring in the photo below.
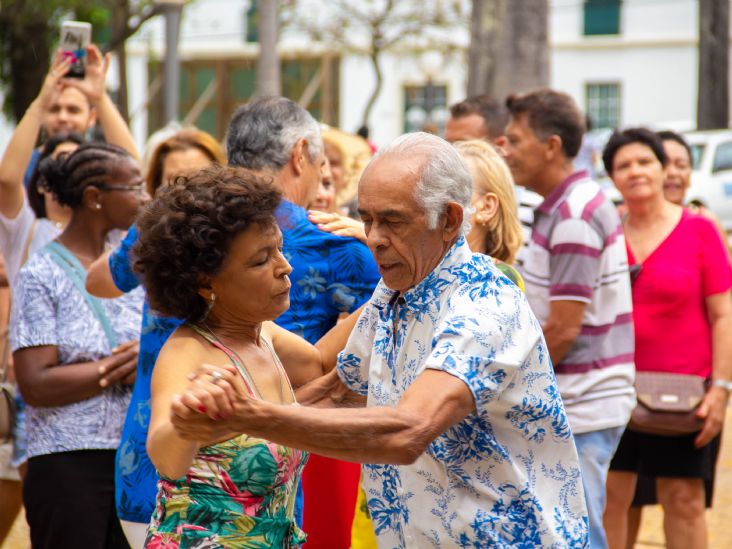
[210,304]
[97,206]
[481,219]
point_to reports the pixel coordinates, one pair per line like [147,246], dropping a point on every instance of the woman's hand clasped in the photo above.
[338,224]
[215,395]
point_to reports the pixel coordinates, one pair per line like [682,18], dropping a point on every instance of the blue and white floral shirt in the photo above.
[508,474]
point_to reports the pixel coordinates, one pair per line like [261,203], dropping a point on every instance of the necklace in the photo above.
[244,370]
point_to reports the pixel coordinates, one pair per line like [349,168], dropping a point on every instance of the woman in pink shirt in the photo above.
[683,314]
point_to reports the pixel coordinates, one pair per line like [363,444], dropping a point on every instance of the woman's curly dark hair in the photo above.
[186,232]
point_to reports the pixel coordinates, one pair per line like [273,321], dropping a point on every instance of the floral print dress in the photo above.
[239,493]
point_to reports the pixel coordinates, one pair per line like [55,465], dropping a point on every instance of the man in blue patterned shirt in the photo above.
[464,434]
[330,274]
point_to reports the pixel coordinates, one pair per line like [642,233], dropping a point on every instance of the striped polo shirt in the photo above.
[577,253]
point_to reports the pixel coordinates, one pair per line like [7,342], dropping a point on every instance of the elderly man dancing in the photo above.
[463,433]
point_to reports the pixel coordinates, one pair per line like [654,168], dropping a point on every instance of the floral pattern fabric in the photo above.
[508,474]
[135,478]
[48,309]
[237,494]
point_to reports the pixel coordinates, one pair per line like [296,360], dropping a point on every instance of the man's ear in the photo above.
[297,156]
[452,221]
[554,147]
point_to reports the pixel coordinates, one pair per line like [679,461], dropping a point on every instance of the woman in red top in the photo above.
[682,313]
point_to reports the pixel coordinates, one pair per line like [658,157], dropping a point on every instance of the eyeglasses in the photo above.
[138,189]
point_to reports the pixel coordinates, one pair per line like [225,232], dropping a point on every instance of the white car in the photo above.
[711,178]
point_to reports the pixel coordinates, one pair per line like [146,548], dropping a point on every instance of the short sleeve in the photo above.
[575,251]
[354,273]
[120,263]
[33,317]
[716,271]
[478,351]
[353,361]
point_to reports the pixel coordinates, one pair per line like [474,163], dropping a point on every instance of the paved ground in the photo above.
[719,518]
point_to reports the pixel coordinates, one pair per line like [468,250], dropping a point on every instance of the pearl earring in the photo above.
[97,206]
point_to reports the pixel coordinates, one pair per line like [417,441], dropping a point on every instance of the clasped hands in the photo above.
[215,406]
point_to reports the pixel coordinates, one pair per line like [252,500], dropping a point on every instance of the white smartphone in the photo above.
[75,37]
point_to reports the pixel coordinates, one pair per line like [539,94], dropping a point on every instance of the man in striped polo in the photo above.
[577,283]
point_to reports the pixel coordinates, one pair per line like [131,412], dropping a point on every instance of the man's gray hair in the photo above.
[444,175]
[263,132]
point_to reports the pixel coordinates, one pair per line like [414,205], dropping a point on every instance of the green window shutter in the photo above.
[253,22]
[601,17]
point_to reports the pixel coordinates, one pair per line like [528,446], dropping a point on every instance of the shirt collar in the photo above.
[554,198]
[419,297]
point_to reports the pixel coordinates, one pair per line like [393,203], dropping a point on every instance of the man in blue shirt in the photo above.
[331,274]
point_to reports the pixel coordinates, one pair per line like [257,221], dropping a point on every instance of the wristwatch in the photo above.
[723,383]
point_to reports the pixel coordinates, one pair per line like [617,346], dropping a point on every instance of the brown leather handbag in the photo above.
[667,404]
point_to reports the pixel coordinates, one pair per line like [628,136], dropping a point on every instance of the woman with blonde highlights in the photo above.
[495,227]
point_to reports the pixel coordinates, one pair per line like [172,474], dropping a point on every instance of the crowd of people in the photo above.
[296,339]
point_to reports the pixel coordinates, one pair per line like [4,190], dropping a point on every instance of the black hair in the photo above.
[36,183]
[621,138]
[67,175]
[493,113]
[668,135]
[550,112]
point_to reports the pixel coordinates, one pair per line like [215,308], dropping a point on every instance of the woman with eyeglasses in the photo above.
[682,313]
[75,355]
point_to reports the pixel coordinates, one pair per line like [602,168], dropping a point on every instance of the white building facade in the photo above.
[626,62]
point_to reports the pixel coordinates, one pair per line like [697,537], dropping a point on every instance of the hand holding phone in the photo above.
[75,39]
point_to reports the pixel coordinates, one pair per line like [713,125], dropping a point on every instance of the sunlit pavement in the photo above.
[719,518]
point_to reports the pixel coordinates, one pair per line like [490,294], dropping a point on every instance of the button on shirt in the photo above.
[506,475]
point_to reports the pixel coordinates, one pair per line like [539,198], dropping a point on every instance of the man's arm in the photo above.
[432,404]
[563,327]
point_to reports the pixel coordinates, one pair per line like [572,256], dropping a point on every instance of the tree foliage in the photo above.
[373,27]
[29,32]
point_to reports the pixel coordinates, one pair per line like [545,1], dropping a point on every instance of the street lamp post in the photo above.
[171,72]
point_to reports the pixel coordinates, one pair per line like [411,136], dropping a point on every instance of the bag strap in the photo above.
[68,262]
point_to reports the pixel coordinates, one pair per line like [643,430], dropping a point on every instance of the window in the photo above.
[602,104]
[602,17]
[211,89]
[723,157]
[425,108]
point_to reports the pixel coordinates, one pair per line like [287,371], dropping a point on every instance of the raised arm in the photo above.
[93,85]
[18,153]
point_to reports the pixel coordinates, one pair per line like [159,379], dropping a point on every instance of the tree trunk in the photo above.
[28,59]
[509,47]
[120,32]
[374,57]
[713,85]
[268,62]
